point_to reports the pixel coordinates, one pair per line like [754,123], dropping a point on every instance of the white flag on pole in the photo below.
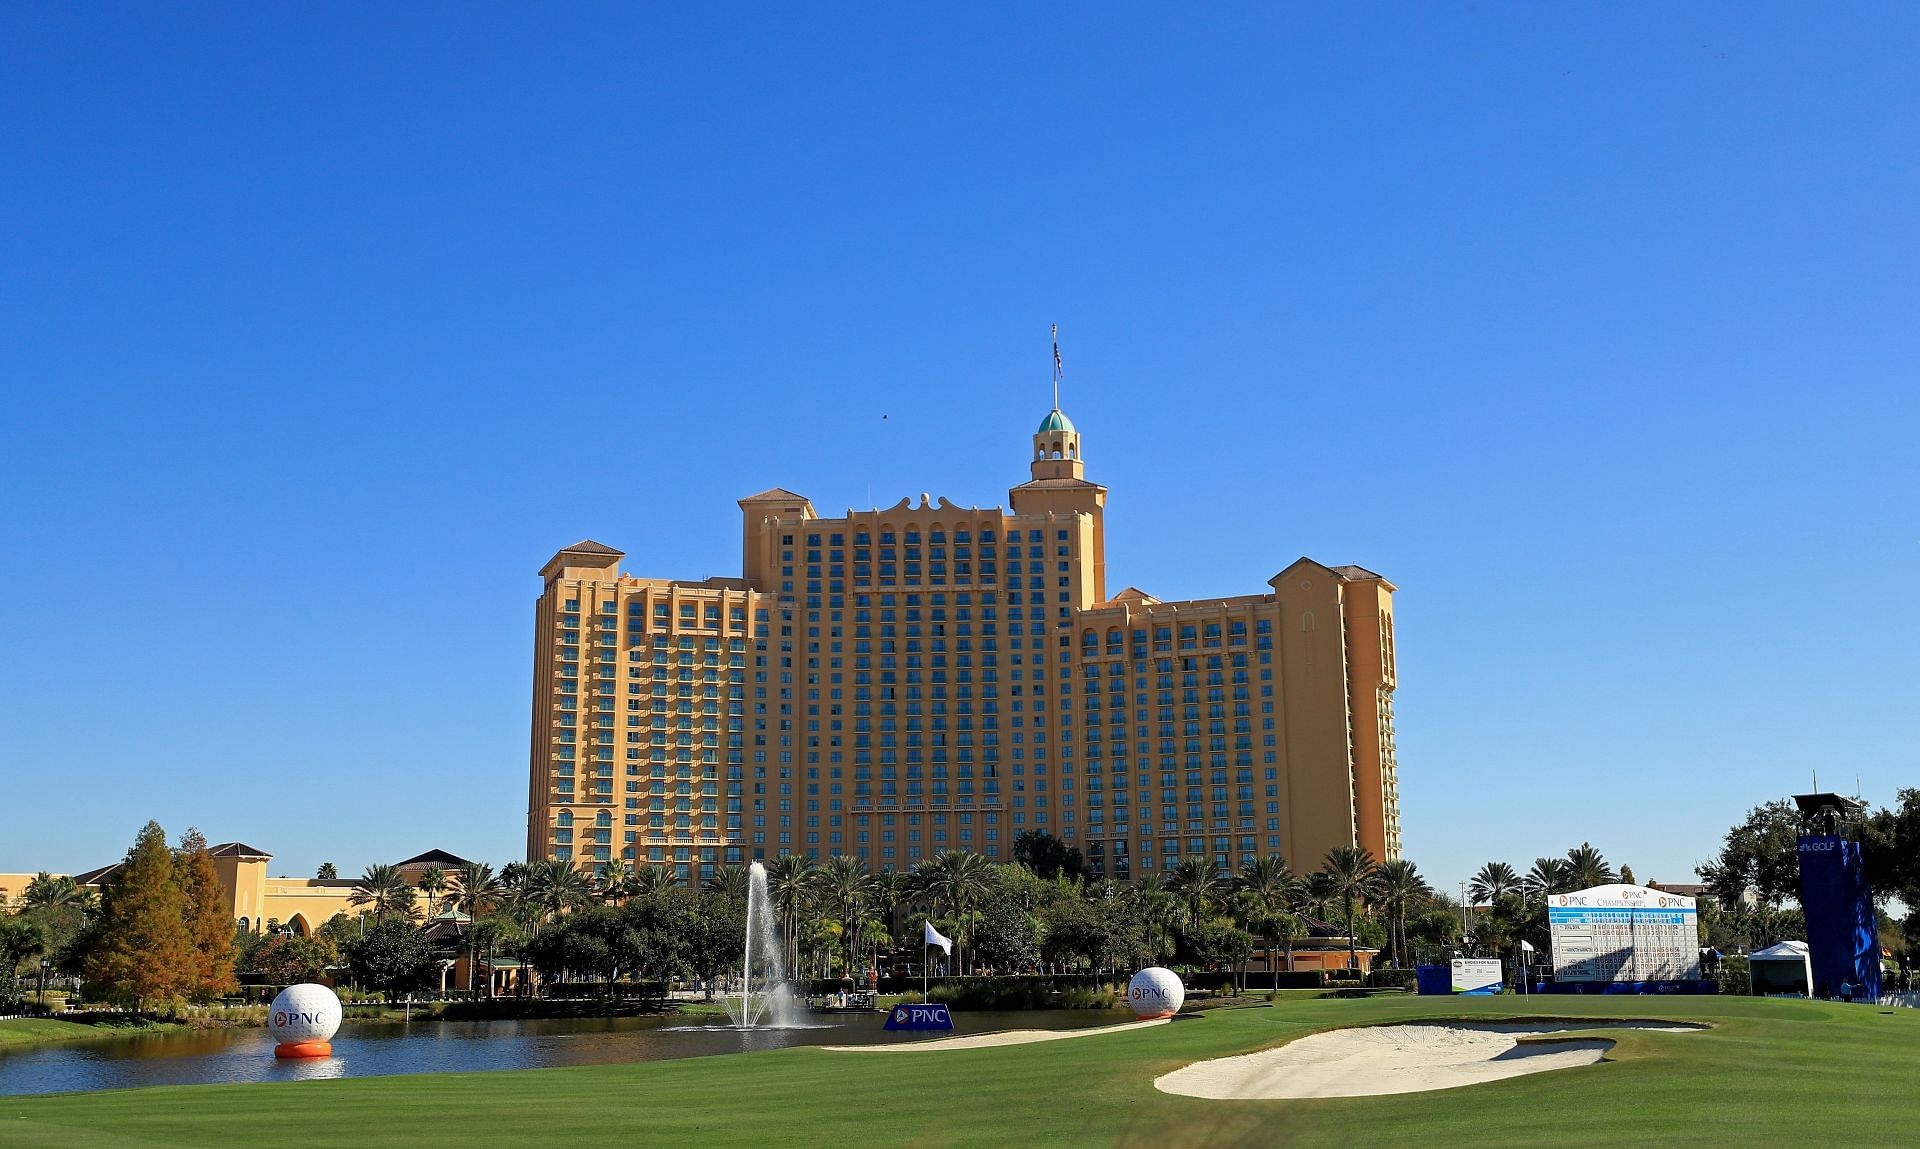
[1526,947]
[936,938]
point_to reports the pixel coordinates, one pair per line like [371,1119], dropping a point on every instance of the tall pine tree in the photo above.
[209,925]
[141,951]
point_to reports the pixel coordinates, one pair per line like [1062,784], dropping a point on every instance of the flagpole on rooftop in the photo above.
[1058,367]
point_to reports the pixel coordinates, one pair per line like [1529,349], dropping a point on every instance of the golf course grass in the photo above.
[1768,1072]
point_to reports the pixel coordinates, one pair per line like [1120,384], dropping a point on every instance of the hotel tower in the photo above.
[895,682]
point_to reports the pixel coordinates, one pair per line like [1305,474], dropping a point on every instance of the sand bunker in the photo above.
[994,1040]
[1398,1059]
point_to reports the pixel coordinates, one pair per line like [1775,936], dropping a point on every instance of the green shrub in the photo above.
[1096,997]
[1010,993]
[1731,975]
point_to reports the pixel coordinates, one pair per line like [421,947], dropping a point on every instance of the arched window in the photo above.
[603,819]
[246,926]
[565,818]
[1306,621]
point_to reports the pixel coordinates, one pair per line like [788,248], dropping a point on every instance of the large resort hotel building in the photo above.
[893,683]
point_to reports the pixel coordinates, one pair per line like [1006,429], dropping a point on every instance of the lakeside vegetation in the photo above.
[156,940]
[151,944]
[21,1032]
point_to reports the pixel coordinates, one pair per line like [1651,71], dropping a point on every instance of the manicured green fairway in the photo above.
[1770,1072]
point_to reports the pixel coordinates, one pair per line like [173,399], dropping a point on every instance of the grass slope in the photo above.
[20,1032]
[1772,1072]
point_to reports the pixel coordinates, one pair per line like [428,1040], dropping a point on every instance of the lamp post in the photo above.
[43,984]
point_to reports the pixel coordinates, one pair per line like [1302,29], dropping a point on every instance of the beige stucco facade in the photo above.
[13,887]
[256,899]
[893,682]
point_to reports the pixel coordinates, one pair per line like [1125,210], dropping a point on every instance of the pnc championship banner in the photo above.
[1623,933]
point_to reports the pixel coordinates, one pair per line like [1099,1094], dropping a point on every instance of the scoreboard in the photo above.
[1623,933]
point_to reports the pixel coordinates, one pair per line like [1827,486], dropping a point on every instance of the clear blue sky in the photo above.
[1593,327]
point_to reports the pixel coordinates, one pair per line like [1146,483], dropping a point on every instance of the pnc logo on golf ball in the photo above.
[1156,992]
[303,1020]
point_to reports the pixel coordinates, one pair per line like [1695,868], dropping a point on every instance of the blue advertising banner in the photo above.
[1842,939]
[915,1016]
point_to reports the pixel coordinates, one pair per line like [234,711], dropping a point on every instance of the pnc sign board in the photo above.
[1622,933]
[911,1015]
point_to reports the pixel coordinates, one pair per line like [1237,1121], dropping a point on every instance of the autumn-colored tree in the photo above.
[283,959]
[209,925]
[140,951]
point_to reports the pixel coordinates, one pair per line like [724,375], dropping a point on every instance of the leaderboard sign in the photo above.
[1624,933]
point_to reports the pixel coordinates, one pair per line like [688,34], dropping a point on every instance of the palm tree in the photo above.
[475,891]
[1353,879]
[1270,880]
[519,915]
[1586,868]
[612,885]
[1401,888]
[1198,881]
[648,880]
[1285,929]
[1317,897]
[957,881]
[889,889]
[383,891]
[846,885]
[1548,876]
[1269,887]
[790,879]
[1494,881]
[48,890]
[558,885]
[433,883]
[730,882]
[1158,910]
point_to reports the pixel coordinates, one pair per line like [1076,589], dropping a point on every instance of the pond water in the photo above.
[379,1049]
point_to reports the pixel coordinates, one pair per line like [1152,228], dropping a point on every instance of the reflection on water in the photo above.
[370,1049]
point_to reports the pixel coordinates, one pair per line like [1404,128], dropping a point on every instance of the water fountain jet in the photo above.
[765,1000]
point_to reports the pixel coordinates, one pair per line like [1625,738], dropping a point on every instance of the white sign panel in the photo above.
[1624,933]
[1478,975]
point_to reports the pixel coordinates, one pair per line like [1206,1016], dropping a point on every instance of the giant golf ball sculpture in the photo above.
[303,1020]
[1156,992]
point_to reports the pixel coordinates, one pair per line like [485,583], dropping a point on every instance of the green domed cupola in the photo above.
[1056,448]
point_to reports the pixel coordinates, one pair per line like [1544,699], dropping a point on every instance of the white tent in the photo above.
[1778,969]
